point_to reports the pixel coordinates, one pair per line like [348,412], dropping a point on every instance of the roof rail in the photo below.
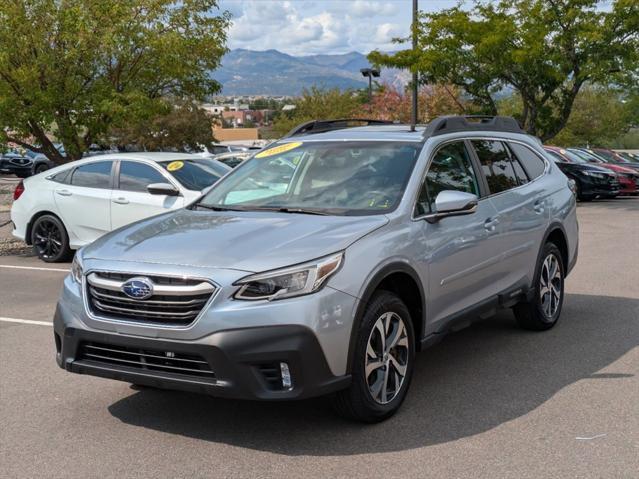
[454,124]
[321,126]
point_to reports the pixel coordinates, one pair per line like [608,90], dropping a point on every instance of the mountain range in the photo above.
[271,72]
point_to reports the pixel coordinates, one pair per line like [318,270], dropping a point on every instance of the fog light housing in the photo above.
[287,382]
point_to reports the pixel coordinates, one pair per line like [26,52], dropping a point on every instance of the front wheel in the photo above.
[382,362]
[50,239]
[542,312]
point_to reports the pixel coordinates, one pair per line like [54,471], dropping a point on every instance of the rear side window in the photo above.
[93,175]
[61,177]
[496,165]
[137,176]
[522,178]
[451,169]
[533,163]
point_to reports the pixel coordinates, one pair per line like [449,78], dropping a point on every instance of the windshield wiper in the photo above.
[216,208]
[283,209]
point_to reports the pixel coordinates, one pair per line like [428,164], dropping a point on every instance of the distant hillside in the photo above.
[271,72]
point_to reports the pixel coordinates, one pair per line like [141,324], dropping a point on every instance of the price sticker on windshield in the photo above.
[279,149]
[175,165]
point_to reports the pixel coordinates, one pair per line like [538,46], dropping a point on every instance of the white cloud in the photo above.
[303,27]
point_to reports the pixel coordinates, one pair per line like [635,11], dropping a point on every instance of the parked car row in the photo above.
[598,173]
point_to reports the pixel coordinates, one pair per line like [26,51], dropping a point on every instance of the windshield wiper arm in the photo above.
[284,209]
[216,208]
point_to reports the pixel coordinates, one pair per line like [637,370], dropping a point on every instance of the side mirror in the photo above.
[162,189]
[453,203]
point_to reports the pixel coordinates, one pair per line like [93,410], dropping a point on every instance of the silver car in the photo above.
[321,265]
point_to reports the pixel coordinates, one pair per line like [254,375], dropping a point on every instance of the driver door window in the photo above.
[450,169]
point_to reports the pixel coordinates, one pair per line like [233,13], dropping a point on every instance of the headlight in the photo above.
[76,269]
[594,174]
[285,283]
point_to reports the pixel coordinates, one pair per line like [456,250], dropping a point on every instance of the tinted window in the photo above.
[522,178]
[196,174]
[137,176]
[61,177]
[555,157]
[93,175]
[451,169]
[533,164]
[496,165]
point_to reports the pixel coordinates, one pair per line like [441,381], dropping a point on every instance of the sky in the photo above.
[304,27]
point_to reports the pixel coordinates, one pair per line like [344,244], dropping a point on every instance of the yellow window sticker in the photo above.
[563,152]
[279,149]
[175,165]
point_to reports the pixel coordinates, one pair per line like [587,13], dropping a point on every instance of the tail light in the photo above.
[17,193]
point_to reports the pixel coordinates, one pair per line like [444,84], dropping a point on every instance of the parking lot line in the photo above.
[26,321]
[8,266]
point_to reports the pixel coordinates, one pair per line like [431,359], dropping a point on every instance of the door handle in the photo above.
[63,192]
[120,201]
[491,224]
[538,206]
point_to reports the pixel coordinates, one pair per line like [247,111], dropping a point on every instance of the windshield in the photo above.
[195,174]
[588,157]
[356,178]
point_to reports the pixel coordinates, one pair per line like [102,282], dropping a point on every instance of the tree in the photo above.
[77,68]
[319,103]
[544,50]
[182,126]
[599,117]
[389,103]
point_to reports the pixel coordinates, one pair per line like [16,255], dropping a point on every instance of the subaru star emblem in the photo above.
[138,288]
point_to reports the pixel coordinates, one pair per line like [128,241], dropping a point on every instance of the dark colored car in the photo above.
[628,177]
[13,163]
[590,180]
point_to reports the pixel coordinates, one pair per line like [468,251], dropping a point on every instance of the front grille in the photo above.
[174,302]
[146,360]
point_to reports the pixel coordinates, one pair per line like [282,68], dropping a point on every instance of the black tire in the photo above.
[580,195]
[50,239]
[23,175]
[358,401]
[40,168]
[543,311]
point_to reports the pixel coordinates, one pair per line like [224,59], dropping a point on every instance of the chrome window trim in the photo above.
[140,324]
[438,146]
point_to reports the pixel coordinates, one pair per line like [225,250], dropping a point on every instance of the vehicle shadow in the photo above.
[471,382]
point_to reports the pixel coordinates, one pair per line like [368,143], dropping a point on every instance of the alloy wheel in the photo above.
[386,357]
[550,286]
[47,238]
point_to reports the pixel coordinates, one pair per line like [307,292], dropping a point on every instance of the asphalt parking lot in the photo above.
[490,401]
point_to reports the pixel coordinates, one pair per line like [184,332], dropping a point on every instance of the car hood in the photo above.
[617,168]
[247,241]
[584,167]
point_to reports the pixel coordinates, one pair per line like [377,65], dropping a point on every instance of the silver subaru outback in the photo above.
[321,265]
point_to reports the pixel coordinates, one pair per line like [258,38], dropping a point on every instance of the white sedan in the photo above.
[72,205]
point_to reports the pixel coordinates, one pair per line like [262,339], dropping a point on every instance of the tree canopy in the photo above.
[77,68]
[544,50]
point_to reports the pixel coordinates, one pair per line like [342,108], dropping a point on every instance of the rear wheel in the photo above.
[543,311]
[50,239]
[382,362]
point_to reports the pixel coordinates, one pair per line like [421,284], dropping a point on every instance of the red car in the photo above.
[628,178]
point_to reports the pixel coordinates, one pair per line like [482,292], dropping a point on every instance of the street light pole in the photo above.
[370,73]
[413,116]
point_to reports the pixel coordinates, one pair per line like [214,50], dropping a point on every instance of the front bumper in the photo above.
[9,167]
[238,359]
